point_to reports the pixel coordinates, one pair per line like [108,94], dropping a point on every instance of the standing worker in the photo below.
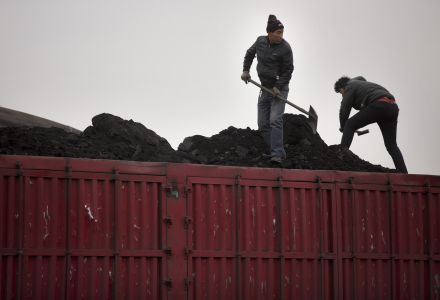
[274,68]
[375,105]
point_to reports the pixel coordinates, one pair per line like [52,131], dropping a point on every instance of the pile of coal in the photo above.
[304,149]
[111,137]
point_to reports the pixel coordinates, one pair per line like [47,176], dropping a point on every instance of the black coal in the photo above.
[111,137]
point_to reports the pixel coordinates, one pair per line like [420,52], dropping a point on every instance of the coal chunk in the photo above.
[111,137]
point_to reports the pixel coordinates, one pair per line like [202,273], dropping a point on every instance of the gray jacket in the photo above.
[358,94]
[275,62]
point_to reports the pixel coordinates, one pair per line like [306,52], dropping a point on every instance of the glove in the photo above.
[341,130]
[276,92]
[245,76]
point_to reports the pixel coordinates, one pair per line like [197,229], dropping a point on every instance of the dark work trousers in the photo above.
[385,115]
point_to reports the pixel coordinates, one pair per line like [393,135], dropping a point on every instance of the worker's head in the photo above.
[275,30]
[341,84]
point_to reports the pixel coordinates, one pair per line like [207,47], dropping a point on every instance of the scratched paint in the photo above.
[97,230]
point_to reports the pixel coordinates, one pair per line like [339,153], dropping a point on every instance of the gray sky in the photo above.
[175,66]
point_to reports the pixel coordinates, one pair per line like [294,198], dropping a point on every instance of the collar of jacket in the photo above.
[270,44]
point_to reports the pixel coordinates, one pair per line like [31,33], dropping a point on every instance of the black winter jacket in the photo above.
[358,94]
[275,62]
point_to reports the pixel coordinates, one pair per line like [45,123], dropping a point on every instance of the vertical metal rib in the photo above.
[68,199]
[321,237]
[237,235]
[429,244]
[114,277]
[20,227]
[391,234]
[281,234]
[353,235]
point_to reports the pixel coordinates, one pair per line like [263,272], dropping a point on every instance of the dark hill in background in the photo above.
[14,118]
[111,137]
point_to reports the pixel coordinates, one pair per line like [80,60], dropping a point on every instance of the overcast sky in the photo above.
[175,66]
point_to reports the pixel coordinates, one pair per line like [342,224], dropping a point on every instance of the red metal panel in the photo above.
[89,277]
[411,216]
[365,241]
[59,240]
[139,209]
[141,266]
[90,213]
[385,238]
[86,229]
[213,278]
[140,277]
[411,247]
[8,279]
[302,279]
[11,199]
[433,206]
[211,238]
[268,263]
[213,222]
[434,221]
[118,217]
[411,279]
[43,277]
[44,211]
[309,215]
[89,245]
[370,280]
[9,213]
[259,238]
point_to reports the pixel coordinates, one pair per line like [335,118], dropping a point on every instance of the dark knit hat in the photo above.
[273,24]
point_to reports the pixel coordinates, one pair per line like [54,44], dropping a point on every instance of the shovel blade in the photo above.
[313,119]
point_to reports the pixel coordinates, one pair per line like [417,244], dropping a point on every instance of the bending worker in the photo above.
[375,105]
[274,68]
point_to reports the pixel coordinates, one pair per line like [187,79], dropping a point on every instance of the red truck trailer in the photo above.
[101,229]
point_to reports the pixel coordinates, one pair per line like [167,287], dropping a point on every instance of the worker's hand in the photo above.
[341,130]
[245,76]
[276,92]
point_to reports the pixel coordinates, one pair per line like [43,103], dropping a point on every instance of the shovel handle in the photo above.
[280,97]
[361,132]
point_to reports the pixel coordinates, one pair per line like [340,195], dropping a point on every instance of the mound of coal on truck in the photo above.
[110,137]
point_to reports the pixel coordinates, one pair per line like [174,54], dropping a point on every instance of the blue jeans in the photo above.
[270,121]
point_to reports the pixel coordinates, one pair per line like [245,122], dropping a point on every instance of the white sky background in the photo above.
[175,66]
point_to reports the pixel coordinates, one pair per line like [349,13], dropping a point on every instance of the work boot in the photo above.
[276,160]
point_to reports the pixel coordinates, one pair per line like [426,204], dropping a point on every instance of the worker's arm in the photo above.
[346,105]
[249,57]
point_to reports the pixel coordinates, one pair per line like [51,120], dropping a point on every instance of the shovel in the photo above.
[313,117]
[362,132]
